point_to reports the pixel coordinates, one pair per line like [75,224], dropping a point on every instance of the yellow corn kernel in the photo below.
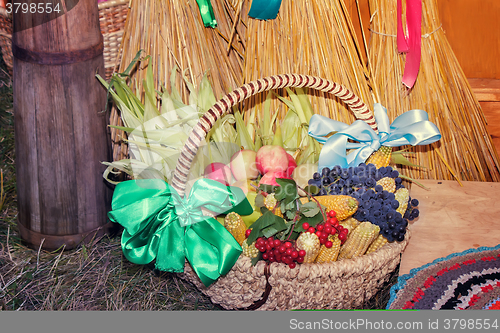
[270,202]
[310,243]
[402,196]
[235,225]
[380,158]
[344,205]
[358,241]
[388,184]
[377,244]
[249,250]
[329,254]
[350,224]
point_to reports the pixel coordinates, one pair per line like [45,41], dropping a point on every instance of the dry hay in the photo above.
[308,37]
[173,34]
[441,89]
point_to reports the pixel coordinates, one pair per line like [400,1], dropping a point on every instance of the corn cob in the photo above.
[344,205]
[402,196]
[249,250]
[357,243]
[377,244]
[308,242]
[235,225]
[380,158]
[350,224]
[329,254]
[270,202]
[388,184]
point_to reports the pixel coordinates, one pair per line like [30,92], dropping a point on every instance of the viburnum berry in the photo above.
[319,233]
[282,249]
[248,232]
[311,230]
[292,265]
[295,254]
[342,236]
[265,256]
[288,244]
[300,260]
[328,244]
[332,213]
[328,230]
[320,227]
[277,242]
[302,253]
[305,225]
[289,251]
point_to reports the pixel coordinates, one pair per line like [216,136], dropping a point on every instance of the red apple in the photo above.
[219,172]
[270,177]
[291,165]
[271,158]
[243,165]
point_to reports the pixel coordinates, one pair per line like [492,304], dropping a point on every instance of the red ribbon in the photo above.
[411,43]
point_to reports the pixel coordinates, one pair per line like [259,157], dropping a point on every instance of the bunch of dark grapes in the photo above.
[376,205]
[346,181]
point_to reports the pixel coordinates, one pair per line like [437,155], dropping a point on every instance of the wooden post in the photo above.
[60,129]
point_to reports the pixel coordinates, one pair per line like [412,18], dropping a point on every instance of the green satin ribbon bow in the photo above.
[162,226]
[207,13]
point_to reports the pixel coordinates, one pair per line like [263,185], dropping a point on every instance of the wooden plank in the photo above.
[486,90]
[452,219]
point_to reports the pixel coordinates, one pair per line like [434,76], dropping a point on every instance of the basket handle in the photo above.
[206,122]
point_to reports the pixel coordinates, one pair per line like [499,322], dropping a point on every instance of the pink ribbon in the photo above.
[411,44]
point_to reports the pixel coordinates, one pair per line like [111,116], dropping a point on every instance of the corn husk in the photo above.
[173,34]
[157,136]
[465,151]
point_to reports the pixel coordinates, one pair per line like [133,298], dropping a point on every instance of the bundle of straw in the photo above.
[465,151]
[313,37]
[173,34]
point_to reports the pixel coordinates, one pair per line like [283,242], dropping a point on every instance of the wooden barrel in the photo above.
[60,128]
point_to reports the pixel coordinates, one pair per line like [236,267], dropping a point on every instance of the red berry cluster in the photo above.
[330,227]
[275,250]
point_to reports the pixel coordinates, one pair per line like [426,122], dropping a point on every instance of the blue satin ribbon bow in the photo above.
[162,226]
[411,128]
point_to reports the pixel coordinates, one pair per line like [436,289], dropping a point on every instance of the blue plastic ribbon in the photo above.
[264,9]
[411,128]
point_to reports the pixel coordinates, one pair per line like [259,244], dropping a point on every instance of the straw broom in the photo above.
[465,151]
[313,37]
[173,34]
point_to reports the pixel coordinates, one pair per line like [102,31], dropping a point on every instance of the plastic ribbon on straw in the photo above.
[264,9]
[162,226]
[207,13]
[411,128]
[411,44]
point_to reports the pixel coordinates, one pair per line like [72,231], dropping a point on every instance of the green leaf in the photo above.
[290,215]
[259,201]
[399,158]
[312,189]
[414,181]
[310,209]
[267,188]
[287,191]
[267,225]
[313,221]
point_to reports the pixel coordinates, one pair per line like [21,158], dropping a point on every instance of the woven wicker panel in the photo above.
[112,17]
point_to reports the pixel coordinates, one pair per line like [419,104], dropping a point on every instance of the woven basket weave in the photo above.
[343,284]
[112,17]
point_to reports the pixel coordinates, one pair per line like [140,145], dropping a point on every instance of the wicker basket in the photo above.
[343,284]
[112,17]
